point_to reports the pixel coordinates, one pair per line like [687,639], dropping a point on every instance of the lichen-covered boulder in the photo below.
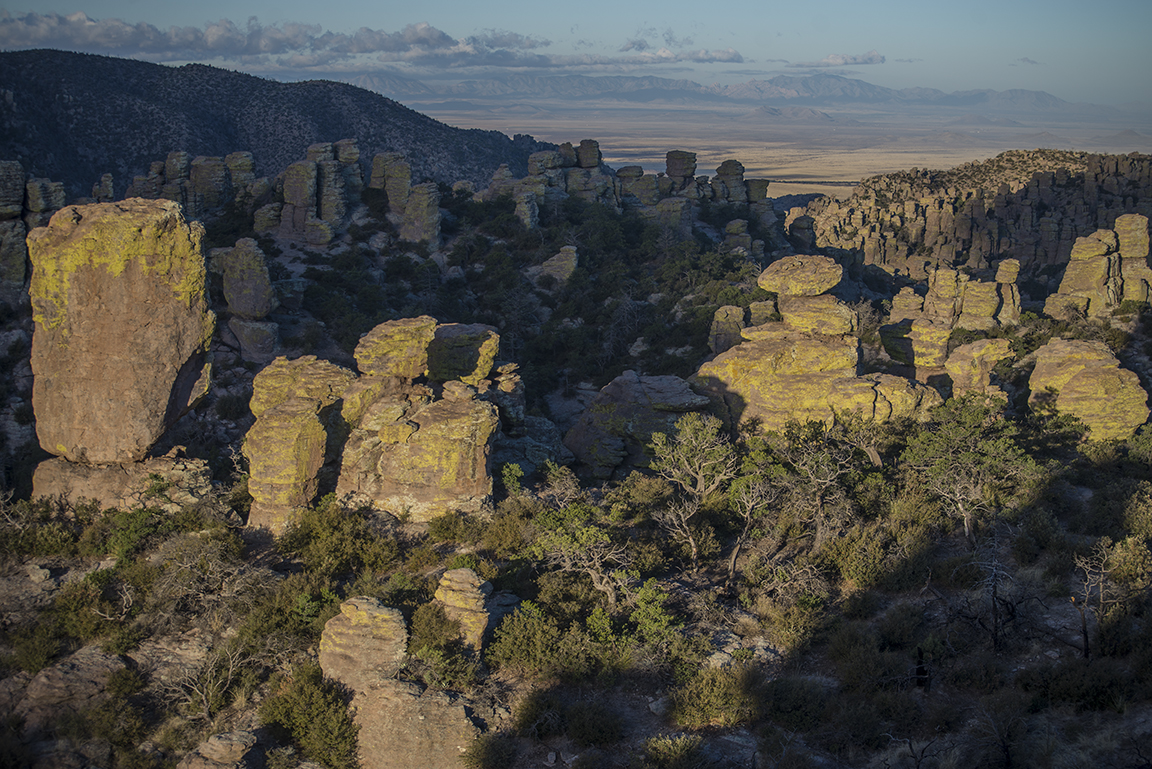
[463,595]
[304,377]
[1092,279]
[122,327]
[1084,379]
[285,451]
[801,275]
[364,644]
[462,351]
[397,348]
[408,455]
[980,306]
[817,314]
[929,343]
[970,365]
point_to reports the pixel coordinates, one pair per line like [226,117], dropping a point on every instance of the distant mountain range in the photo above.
[72,117]
[809,90]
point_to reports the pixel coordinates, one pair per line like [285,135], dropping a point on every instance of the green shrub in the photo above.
[431,628]
[528,641]
[313,712]
[718,697]
[683,751]
[455,527]
[332,540]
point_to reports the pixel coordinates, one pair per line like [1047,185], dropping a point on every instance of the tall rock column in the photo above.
[122,327]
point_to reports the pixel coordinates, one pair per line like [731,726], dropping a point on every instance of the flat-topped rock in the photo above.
[801,275]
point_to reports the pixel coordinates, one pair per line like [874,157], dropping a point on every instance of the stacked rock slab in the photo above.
[1105,269]
[618,424]
[402,725]
[804,367]
[296,405]
[109,378]
[422,215]
[1085,379]
[250,297]
[462,594]
[407,451]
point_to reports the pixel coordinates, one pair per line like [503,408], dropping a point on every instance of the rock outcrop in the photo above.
[1085,379]
[1030,206]
[298,426]
[619,422]
[1104,269]
[169,483]
[970,366]
[109,379]
[804,367]
[230,750]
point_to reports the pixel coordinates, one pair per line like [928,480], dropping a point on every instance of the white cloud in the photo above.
[302,47]
[843,60]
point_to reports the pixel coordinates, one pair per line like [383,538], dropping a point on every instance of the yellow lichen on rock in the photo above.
[818,314]
[464,352]
[801,275]
[364,644]
[397,348]
[462,593]
[970,365]
[304,377]
[285,451]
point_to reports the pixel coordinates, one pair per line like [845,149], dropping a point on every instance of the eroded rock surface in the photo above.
[364,644]
[109,377]
[1084,379]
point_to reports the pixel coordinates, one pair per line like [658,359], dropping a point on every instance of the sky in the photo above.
[1079,51]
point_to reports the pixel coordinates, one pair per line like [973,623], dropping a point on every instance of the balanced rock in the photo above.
[462,351]
[463,595]
[109,379]
[305,377]
[1084,379]
[621,419]
[397,348]
[801,275]
[364,644]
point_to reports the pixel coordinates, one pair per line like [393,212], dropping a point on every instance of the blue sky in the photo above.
[1079,51]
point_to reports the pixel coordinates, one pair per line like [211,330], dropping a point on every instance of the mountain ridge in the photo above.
[72,117]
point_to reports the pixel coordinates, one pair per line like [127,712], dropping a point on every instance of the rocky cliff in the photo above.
[1026,205]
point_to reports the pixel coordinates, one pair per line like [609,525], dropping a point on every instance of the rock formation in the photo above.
[250,296]
[1104,269]
[804,367]
[462,594]
[298,425]
[909,222]
[918,327]
[110,378]
[619,422]
[169,483]
[401,723]
[1085,379]
[970,366]
[230,750]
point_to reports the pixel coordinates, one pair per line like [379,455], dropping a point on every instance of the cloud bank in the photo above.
[306,46]
[842,60]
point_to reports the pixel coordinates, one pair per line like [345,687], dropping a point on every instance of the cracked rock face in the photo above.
[109,378]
